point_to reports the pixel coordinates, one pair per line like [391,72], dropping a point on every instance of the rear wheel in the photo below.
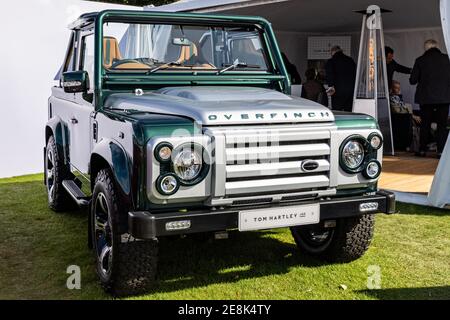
[125,266]
[55,173]
[346,242]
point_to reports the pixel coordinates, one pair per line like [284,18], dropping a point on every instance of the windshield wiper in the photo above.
[237,64]
[164,66]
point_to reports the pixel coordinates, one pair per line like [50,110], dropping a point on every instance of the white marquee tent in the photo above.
[406,28]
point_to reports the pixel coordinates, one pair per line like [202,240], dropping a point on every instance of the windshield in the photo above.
[158,48]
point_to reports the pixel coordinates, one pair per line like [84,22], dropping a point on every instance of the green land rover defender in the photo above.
[173,124]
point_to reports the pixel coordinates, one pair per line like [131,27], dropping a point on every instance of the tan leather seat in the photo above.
[111,51]
[111,55]
[189,52]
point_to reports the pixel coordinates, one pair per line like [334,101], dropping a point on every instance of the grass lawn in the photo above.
[36,247]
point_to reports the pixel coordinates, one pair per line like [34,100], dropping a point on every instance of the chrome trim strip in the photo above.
[276,152]
[276,168]
[275,197]
[277,184]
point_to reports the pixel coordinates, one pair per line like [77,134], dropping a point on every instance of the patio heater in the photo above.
[371,94]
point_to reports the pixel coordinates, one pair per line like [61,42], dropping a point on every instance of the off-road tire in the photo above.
[58,198]
[134,263]
[348,241]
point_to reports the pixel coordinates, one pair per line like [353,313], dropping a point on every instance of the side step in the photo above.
[75,192]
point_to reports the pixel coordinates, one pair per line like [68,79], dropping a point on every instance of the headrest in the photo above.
[111,51]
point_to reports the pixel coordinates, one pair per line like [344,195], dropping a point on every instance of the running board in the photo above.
[75,192]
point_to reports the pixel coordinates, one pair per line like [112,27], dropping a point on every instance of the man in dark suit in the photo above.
[392,66]
[340,77]
[431,73]
[291,70]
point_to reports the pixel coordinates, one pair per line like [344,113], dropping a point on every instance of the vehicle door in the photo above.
[76,109]
[82,109]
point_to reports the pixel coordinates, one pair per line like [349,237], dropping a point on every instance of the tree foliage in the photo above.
[139,3]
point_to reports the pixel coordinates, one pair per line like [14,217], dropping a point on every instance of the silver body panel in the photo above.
[264,164]
[225,105]
[198,192]
[252,160]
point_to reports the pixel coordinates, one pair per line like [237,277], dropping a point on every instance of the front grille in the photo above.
[269,160]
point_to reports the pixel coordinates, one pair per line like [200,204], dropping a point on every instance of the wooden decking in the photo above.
[407,173]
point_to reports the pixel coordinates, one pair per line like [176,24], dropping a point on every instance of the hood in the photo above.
[224,105]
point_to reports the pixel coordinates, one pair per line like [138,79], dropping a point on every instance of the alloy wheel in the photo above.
[103,235]
[50,174]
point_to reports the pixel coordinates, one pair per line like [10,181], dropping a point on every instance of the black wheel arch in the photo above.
[108,154]
[59,130]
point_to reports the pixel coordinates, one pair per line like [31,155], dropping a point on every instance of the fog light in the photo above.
[178,225]
[368,206]
[167,184]
[372,170]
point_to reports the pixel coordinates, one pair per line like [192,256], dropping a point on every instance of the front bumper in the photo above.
[145,225]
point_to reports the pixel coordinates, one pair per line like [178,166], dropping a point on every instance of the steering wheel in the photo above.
[117,64]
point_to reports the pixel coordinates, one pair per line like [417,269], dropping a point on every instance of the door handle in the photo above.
[73,120]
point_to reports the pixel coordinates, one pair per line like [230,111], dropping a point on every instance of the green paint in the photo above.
[164,130]
[147,125]
[355,121]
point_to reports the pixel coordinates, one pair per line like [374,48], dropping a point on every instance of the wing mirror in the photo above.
[75,81]
[181,42]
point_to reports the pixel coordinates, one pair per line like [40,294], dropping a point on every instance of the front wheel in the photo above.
[346,242]
[125,266]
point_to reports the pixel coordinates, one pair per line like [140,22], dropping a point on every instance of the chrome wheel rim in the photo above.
[103,235]
[50,172]
[319,237]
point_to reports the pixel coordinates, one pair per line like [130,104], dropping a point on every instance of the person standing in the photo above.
[291,70]
[392,66]
[340,77]
[314,90]
[431,73]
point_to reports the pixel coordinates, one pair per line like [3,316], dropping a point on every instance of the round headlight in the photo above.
[187,163]
[167,184]
[372,170]
[353,154]
[375,141]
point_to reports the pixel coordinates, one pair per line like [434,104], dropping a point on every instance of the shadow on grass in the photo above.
[425,293]
[183,263]
[190,263]
[412,209]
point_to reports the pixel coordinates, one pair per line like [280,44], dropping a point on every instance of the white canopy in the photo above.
[319,15]
[410,23]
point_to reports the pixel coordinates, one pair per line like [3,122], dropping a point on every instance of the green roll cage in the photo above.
[104,81]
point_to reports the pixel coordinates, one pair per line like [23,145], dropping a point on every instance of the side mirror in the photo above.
[75,81]
[181,42]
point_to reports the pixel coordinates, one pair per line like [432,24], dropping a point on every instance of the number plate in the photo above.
[280,217]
